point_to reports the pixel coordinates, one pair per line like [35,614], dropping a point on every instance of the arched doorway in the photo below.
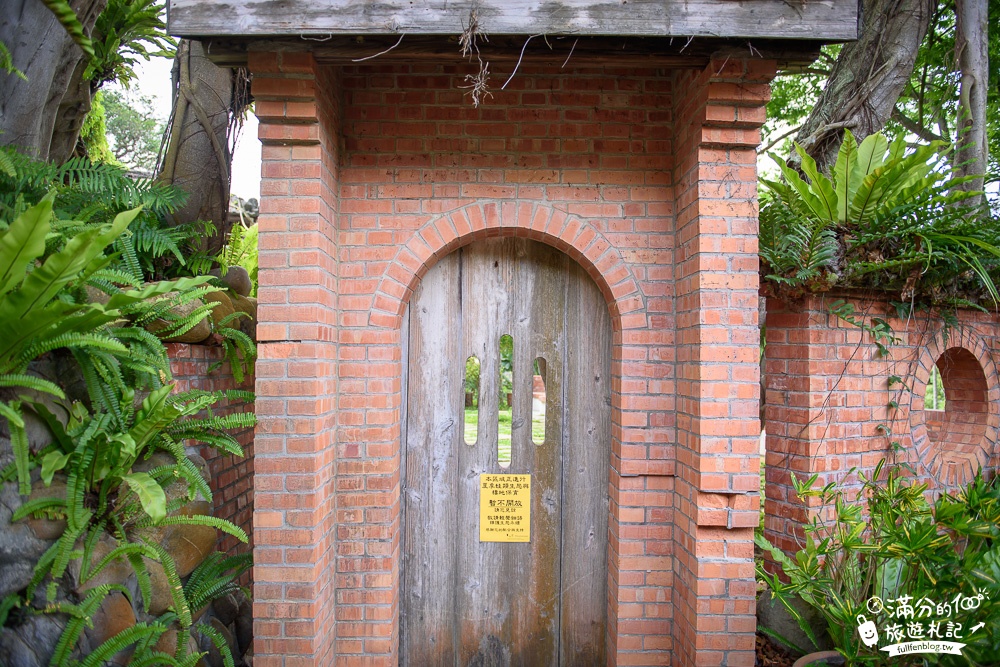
[499,568]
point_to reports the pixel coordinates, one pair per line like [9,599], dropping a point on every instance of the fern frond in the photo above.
[19,443]
[31,382]
[181,607]
[93,341]
[11,412]
[38,507]
[121,641]
[81,616]
[219,642]
[199,520]
[71,23]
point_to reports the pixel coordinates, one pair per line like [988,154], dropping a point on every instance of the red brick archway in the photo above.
[577,238]
[646,177]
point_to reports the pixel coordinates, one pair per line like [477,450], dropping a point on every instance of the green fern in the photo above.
[239,349]
[219,642]
[124,32]
[140,632]
[71,23]
[80,617]
[7,65]
[180,604]
[886,217]
[199,520]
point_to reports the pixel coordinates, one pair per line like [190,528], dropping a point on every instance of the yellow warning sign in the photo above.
[505,508]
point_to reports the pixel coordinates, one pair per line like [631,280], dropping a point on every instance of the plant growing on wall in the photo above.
[90,193]
[886,218]
[99,445]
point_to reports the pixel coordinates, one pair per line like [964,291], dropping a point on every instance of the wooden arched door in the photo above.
[535,603]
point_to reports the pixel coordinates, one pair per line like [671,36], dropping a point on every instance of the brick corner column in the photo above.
[718,112]
[297,365]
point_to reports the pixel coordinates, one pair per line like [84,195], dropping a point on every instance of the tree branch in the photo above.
[779,139]
[914,127]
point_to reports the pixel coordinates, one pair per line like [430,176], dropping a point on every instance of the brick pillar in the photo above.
[718,113]
[297,368]
[789,410]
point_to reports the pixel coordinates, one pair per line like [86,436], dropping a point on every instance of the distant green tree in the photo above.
[134,132]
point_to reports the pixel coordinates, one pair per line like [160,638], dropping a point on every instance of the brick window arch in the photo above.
[961,426]
[951,444]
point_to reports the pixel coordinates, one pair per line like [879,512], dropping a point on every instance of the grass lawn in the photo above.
[503,449]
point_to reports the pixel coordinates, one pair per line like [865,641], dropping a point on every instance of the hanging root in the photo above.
[469,47]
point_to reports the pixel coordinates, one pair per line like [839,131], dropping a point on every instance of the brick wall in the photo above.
[831,402]
[646,177]
[232,480]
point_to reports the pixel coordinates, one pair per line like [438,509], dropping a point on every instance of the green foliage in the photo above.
[105,455]
[124,32]
[40,312]
[472,370]
[133,128]
[216,577]
[793,96]
[94,193]
[71,23]
[44,306]
[506,368]
[93,134]
[241,250]
[886,218]
[928,105]
[889,543]
[7,63]
[240,350]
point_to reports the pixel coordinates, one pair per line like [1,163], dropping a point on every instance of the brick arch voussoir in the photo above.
[448,232]
[970,340]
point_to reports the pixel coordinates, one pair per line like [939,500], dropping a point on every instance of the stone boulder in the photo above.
[196,334]
[47,528]
[20,547]
[115,572]
[222,309]
[248,305]
[244,624]
[31,642]
[236,279]
[113,616]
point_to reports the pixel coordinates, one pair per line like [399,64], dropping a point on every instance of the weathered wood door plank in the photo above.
[506,603]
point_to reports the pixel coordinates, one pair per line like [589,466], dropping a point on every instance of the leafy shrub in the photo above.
[893,543]
[91,193]
[44,308]
[885,218]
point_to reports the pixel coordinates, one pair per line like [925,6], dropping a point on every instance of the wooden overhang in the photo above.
[678,32]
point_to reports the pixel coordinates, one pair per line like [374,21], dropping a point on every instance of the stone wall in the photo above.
[835,406]
[232,477]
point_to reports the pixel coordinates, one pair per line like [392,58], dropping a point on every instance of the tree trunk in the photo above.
[198,155]
[973,62]
[868,77]
[43,115]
